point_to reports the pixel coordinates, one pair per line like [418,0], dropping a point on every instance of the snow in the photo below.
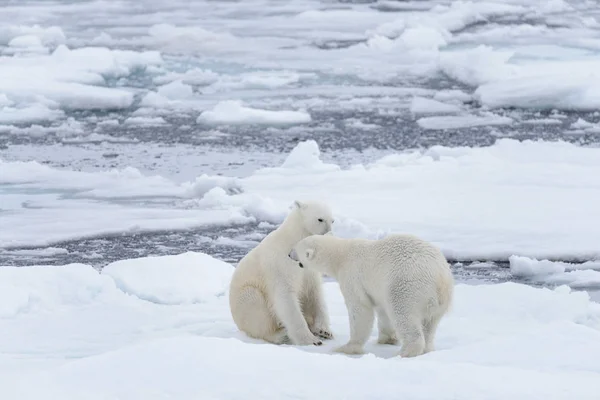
[176,90]
[25,41]
[183,279]
[547,64]
[33,113]
[421,105]
[73,79]
[511,198]
[97,138]
[582,275]
[462,121]
[232,112]
[145,121]
[117,344]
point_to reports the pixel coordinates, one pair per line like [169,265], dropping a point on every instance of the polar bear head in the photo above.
[312,253]
[316,218]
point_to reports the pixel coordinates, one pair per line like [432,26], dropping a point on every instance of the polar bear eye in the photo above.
[320,220]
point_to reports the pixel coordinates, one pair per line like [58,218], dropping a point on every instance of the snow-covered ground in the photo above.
[144,128]
[158,328]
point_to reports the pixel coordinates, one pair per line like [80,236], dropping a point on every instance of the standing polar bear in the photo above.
[406,280]
[270,297]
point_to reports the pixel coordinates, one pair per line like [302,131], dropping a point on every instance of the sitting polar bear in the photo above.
[406,280]
[270,297]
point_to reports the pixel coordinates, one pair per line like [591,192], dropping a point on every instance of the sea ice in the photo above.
[462,121]
[182,279]
[476,203]
[76,334]
[421,105]
[232,112]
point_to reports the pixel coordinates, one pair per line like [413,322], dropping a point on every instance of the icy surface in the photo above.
[512,198]
[103,342]
[146,128]
[308,63]
[234,113]
[183,279]
[582,276]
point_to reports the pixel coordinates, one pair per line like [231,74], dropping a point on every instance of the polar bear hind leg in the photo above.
[409,328]
[387,332]
[256,319]
[429,328]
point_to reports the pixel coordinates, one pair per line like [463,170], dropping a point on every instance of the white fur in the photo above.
[402,278]
[270,297]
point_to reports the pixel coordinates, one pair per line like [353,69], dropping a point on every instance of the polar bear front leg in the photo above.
[314,306]
[287,308]
[361,318]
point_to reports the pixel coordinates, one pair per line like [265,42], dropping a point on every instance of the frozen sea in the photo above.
[146,146]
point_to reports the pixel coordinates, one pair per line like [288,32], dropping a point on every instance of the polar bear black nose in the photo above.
[300,264]
[293,255]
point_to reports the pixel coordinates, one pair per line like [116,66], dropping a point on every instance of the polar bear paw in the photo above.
[322,333]
[350,348]
[387,339]
[307,341]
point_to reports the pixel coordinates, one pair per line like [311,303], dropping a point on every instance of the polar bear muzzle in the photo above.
[294,256]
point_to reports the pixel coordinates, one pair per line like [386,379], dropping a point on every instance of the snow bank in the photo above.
[182,279]
[545,342]
[232,112]
[33,289]
[185,278]
[476,203]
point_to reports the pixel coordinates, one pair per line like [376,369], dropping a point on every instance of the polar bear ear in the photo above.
[310,253]
[299,204]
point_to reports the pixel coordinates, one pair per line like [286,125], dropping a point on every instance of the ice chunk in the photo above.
[70,78]
[424,37]
[232,112]
[185,278]
[176,90]
[462,121]
[582,275]
[453,95]
[422,105]
[145,121]
[33,113]
[50,36]
[204,183]
[305,157]
[25,41]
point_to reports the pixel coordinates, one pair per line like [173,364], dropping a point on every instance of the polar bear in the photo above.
[402,278]
[270,297]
